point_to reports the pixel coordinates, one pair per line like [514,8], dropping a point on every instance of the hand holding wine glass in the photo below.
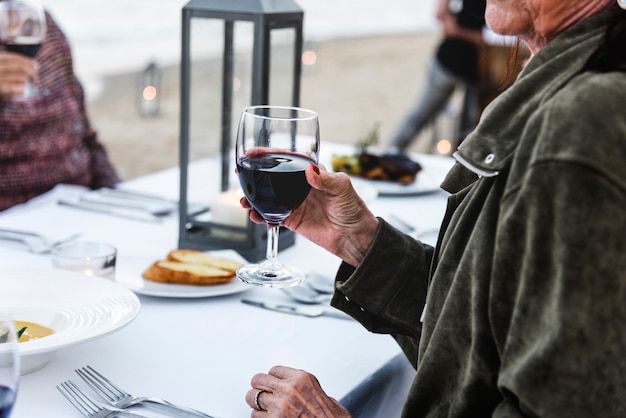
[274,146]
[22,30]
[9,365]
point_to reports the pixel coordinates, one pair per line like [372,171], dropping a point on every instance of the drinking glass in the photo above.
[9,364]
[87,257]
[274,145]
[22,30]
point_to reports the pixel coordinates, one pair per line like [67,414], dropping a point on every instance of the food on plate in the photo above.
[396,168]
[31,331]
[388,167]
[186,266]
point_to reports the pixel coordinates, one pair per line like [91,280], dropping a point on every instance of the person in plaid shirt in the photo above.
[46,139]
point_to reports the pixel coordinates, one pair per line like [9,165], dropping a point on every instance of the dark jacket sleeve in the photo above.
[387,292]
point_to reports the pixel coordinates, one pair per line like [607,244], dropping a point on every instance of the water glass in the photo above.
[89,258]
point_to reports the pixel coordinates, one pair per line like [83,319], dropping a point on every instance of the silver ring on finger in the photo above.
[256,400]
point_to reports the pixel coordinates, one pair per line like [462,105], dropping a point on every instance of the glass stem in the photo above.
[272,243]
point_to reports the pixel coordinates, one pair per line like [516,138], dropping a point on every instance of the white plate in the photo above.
[428,180]
[424,183]
[129,269]
[78,308]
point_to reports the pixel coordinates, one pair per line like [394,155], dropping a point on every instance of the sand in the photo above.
[355,84]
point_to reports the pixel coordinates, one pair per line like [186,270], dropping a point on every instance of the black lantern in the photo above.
[149,90]
[258,45]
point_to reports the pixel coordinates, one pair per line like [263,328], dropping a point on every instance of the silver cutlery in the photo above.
[151,198]
[137,195]
[307,311]
[115,211]
[87,406]
[320,283]
[405,227]
[121,399]
[152,207]
[34,242]
[304,293]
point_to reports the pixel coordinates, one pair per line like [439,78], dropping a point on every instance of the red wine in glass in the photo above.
[25,48]
[9,364]
[22,30]
[7,399]
[274,183]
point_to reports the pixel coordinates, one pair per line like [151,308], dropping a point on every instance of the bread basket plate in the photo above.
[129,270]
[78,308]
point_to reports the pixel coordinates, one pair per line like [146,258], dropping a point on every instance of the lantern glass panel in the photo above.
[206,87]
[282,50]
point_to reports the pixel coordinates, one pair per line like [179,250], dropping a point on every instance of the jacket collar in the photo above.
[489,149]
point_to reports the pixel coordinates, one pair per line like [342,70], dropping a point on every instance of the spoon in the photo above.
[304,293]
[320,283]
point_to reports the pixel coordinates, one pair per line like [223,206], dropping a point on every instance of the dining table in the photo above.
[202,351]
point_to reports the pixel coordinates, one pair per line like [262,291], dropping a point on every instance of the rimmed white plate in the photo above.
[428,180]
[424,183]
[78,308]
[129,270]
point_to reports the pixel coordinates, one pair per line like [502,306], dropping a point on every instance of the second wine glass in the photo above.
[9,365]
[274,146]
[23,30]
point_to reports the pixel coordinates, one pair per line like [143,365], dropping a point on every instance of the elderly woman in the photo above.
[524,297]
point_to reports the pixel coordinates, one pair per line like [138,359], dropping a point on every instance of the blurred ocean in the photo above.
[120,36]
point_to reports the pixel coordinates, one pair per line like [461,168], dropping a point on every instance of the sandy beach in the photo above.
[355,84]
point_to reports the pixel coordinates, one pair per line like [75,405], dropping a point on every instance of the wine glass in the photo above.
[9,365]
[274,146]
[22,30]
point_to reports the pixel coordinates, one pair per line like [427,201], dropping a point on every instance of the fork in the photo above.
[119,398]
[87,406]
[36,243]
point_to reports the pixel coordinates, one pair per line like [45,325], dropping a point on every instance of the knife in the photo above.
[308,311]
[153,208]
[122,213]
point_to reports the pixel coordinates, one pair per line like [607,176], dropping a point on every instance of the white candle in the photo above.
[227,210]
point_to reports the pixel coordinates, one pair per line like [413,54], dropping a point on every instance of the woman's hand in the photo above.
[15,71]
[285,392]
[333,216]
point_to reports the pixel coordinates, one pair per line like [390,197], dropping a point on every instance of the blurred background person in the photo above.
[454,65]
[46,139]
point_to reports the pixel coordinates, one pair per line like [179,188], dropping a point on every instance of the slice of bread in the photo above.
[185,266]
[184,273]
[200,258]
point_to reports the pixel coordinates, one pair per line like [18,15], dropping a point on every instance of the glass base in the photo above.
[277,276]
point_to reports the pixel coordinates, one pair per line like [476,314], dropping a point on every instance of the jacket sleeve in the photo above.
[387,291]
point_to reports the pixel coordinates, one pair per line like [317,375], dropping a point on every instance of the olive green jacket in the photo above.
[526,295]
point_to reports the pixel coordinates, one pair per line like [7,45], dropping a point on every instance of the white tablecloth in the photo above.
[203,352]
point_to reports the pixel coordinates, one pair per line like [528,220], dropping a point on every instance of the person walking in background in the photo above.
[46,139]
[454,65]
[519,309]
